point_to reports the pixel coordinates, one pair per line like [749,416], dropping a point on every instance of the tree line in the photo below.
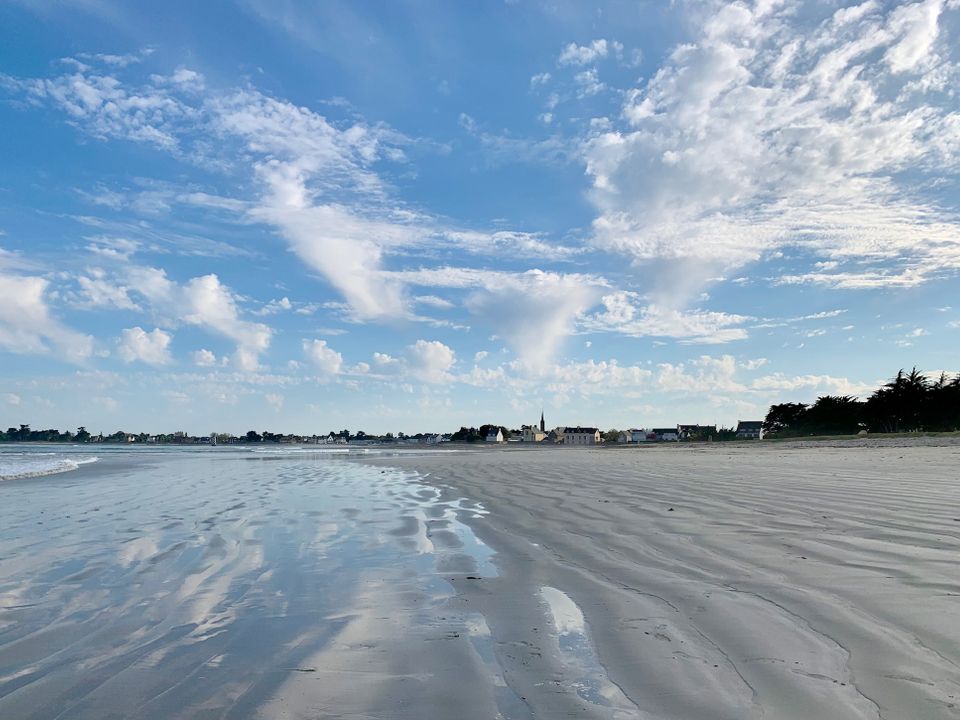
[910,402]
[25,434]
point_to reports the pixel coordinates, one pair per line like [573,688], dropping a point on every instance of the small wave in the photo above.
[28,465]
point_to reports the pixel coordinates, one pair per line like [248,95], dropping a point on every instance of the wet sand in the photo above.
[237,584]
[725,581]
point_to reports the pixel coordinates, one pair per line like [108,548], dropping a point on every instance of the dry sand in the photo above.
[724,581]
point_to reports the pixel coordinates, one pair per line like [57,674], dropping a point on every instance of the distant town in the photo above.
[527,434]
[909,402]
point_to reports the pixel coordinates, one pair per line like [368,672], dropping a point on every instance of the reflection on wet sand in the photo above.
[225,585]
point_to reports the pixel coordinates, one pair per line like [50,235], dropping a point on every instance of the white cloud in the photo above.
[383,359]
[704,374]
[914,27]
[324,358]
[318,190]
[430,361]
[106,108]
[305,164]
[205,302]
[152,348]
[624,313]
[468,123]
[27,326]
[347,250]
[434,301]
[275,306]
[813,384]
[588,82]
[539,79]
[99,291]
[768,129]
[533,311]
[518,244]
[274,400]
[574,54]
[11,399]
[106,402]
[317,182]
[113,248]
[204,358]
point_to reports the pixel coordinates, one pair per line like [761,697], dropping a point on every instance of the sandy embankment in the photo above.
[724,581]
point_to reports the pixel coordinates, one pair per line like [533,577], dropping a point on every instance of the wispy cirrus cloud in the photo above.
[626,313]
[320,185]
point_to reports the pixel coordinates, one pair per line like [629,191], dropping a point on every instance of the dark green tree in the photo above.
[785,419]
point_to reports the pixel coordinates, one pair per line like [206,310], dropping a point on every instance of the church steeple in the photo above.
[543,426]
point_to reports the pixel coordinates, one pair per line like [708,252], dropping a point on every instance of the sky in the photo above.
[412,216]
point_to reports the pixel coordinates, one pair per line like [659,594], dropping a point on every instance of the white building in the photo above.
[495,437]
[581,436]
[750,430]
[633,436]
[666,434]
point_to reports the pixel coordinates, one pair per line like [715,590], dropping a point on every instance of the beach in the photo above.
[794,580]
[753,580]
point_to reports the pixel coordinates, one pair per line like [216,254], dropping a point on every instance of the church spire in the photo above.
[543,426]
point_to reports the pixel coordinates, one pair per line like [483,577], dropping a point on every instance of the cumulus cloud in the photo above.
[704,374]
[204,358]
[324,359]
[27,325]
[205,302]
[430,361]
[152,348]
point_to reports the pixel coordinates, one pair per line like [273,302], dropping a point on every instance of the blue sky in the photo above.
[414,216]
